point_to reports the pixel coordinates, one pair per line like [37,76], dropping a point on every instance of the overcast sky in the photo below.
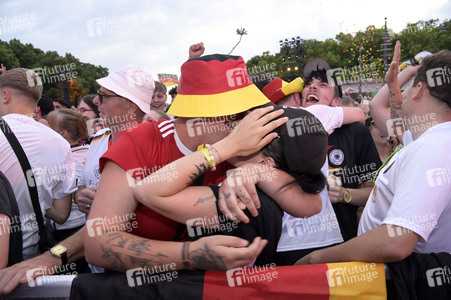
[156,34]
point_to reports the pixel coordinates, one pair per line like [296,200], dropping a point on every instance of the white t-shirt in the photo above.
[414,191]
[76,217]
[51,160]
[321,229]
[99,145]
[330,117]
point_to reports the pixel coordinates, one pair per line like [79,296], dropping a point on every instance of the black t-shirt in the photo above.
[8,206]
[353,157]
[267,225]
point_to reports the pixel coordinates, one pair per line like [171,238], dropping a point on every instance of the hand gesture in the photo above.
[238,192]
[196,50]
[222,252]
[392,73]
[254,131]
[85,199]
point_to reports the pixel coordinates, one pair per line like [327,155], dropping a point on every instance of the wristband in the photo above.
[208,155]
[185,256]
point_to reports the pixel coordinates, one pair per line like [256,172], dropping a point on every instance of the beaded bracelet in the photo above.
[213,160]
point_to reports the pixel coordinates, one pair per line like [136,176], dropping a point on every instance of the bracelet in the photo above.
[185,256]
[213,160]
[208,155]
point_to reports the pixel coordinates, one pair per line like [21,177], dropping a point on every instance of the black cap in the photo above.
[304,140]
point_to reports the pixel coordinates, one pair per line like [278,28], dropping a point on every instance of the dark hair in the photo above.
[436,66]
[173,91]
[63,102]
[322,76]
[89,100]
[310,183]
[46,105]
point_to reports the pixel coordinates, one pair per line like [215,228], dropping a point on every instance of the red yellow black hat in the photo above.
[277,88]
[215,85]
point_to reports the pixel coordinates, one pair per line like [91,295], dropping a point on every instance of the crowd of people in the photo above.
[228,175]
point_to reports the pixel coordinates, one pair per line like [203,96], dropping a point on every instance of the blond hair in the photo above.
[23,80]
[159,87]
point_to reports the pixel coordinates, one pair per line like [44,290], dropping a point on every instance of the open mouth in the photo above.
[312,98]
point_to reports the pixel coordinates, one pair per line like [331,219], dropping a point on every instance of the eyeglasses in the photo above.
[101,96]
[83,110]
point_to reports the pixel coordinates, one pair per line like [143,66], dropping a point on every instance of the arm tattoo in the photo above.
[392,94]
[201,168]
[139,247]
[202,200]
[113,257]
[395,106]
[227,195]
[206,259]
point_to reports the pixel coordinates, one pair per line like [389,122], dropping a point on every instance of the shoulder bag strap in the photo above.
[27,171]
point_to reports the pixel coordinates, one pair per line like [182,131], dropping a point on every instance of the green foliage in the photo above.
[59,68]
[345,50]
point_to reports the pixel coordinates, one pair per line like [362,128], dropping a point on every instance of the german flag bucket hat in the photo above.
[213,86]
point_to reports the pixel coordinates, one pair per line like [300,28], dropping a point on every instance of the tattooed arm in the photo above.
[107,247]
[394,90]
[386,104]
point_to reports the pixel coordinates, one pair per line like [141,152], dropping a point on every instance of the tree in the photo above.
[264,68]
[53,68]
[420,36]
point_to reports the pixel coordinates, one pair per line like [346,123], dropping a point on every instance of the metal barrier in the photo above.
[44,287]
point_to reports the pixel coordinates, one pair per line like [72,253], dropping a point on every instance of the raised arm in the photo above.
[386,104]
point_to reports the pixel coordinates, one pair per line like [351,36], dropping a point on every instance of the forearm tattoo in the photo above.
[201,168]
[203,199]
[395,105]
[206,259]
[139,254]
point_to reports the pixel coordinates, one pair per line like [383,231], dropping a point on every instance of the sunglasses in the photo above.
[101,96]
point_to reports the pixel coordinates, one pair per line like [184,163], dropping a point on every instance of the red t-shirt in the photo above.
[143,150]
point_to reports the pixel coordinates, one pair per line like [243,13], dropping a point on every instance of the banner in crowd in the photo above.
[168,79]
[353,280]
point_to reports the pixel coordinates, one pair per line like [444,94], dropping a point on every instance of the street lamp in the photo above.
[240,31]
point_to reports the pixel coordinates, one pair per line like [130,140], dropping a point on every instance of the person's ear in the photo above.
[131,107]
[418,90]
[268,161]
[6,96]
[297,100]
[64,133]
[336,102]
